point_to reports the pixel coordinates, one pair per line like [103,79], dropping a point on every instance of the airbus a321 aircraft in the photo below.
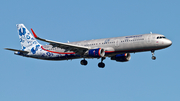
[117,48]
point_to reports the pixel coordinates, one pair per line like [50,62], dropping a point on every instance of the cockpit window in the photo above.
[161,37]
[164,37]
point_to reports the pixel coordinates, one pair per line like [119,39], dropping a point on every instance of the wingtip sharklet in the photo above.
[34,33]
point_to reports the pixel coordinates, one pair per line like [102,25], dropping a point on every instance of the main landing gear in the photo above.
[153,57]
[100,64]
[84,62]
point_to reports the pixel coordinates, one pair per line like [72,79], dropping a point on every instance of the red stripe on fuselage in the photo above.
[58,52]
[131,51]
[124,51]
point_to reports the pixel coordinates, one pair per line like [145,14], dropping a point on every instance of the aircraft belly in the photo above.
[54,56]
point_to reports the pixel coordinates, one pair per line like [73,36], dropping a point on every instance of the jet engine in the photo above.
[99,52]
[122,57]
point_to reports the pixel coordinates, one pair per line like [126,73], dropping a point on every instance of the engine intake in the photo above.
[99,52]
[122,57]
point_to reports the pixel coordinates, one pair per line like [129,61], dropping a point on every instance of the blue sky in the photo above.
[140,79]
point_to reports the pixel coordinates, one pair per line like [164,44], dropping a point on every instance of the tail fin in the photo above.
[26,39]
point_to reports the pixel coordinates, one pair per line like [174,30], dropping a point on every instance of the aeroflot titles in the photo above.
[134,36]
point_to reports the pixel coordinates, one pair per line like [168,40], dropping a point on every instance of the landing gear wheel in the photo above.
[101,65]
[84,62]
[153,57]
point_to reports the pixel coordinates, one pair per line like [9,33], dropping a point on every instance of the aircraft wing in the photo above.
[68,47]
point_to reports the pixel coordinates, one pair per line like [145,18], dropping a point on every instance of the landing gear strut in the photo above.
[84,62]
[101,64]
[153,57]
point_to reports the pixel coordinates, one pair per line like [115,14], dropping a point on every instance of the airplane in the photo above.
[117,48]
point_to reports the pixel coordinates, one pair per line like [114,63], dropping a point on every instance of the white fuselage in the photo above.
[119,45]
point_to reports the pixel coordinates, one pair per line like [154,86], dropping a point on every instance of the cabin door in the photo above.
[117,43]
[149,38]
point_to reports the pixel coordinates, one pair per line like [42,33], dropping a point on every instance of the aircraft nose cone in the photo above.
[168,42]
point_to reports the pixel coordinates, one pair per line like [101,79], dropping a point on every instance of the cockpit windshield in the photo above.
[161,37]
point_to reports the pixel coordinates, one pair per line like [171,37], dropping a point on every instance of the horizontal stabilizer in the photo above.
[16,50]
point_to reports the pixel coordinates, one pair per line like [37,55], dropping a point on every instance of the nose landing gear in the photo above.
[153,57]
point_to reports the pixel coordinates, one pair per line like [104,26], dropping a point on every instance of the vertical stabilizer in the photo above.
[28,42]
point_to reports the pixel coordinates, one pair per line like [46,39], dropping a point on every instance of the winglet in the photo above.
[34,33]
[37,36]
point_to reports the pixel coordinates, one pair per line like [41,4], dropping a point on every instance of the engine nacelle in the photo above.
[99,52]
[122,57]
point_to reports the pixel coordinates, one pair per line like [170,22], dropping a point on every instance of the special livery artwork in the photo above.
[29,43]
[117,48]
